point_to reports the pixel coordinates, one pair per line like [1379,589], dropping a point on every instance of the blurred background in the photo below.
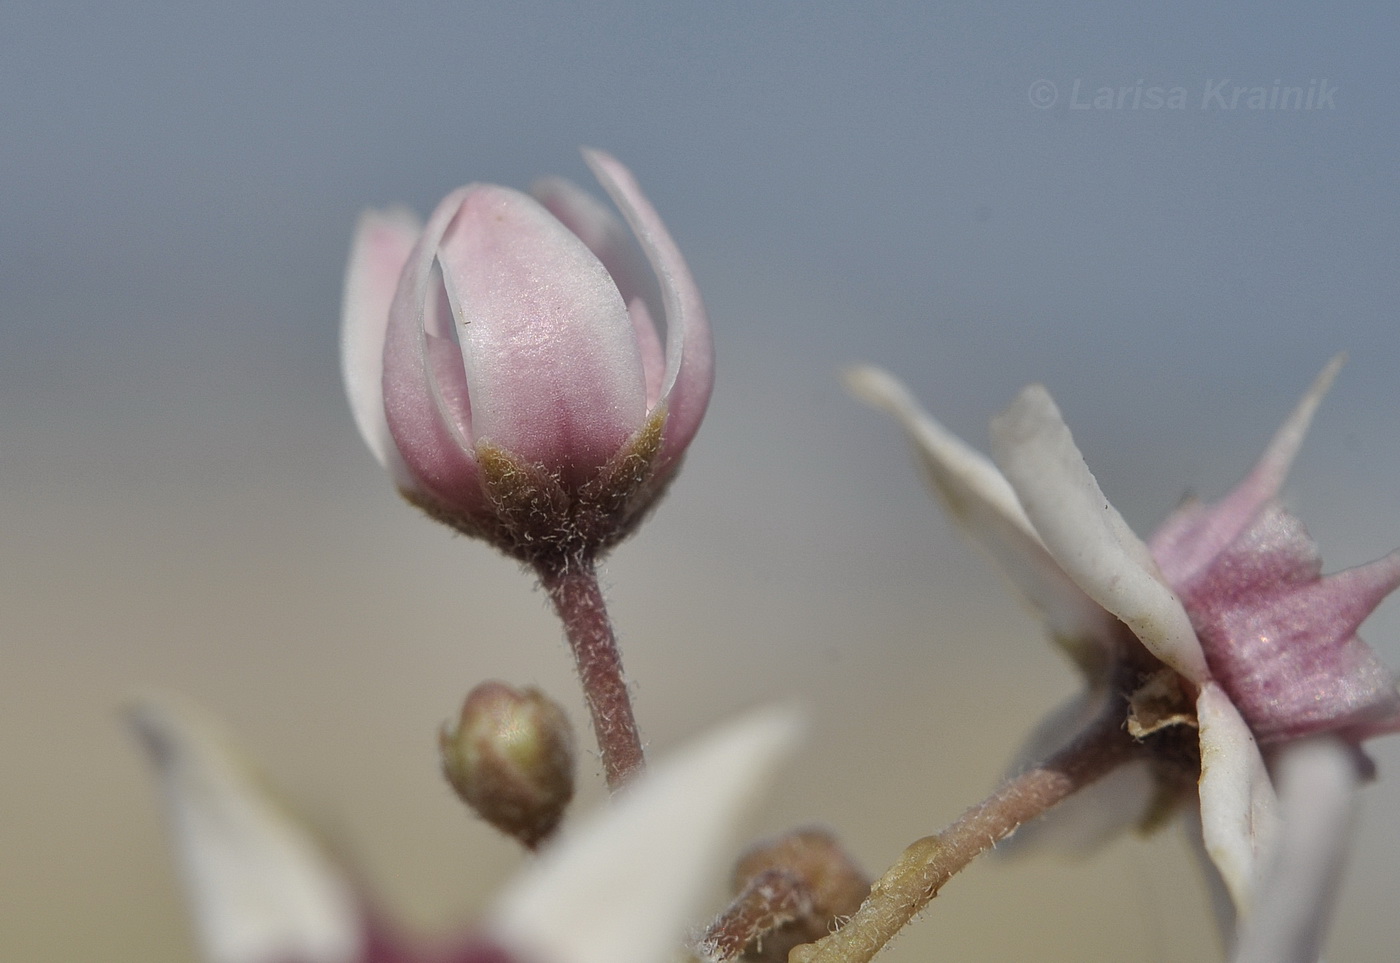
[185,504]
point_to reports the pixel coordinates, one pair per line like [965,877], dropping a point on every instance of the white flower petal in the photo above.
[383,241]
[262,890]
[1221,904]
[623,887]
[1295,894]
[983,504]
[1239,811]
[1085,534]
[690,374]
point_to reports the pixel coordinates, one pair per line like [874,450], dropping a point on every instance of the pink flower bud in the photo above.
[503,363]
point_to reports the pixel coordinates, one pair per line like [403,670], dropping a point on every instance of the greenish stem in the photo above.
[923,868]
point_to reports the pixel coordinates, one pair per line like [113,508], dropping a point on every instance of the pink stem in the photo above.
[573,588]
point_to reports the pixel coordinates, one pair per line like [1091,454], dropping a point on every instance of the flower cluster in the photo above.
[504,363]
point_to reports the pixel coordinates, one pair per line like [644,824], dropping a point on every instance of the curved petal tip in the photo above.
[378,254]
[625,886]
[1085,534]
[689,377]
[261,889]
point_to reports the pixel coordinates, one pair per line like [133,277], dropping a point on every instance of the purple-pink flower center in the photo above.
[1279,636]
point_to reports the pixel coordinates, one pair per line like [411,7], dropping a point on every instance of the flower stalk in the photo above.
[573,588]
[927,864]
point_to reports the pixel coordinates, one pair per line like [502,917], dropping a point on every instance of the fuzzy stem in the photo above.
[773,898]
[923,868]
[573,588]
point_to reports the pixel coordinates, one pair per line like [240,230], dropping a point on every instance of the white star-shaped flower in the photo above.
[1262,648]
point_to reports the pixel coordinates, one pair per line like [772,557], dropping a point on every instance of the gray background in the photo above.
[184,503]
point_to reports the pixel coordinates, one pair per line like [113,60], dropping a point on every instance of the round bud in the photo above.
[511,759]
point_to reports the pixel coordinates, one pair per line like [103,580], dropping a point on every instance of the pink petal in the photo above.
[383,240]
[982,503]
[613,244]
[551,358]
[1192,536]
[689,348]
[1298,886]
[420,383]
[1083,532]
[606,236]
[1282,640]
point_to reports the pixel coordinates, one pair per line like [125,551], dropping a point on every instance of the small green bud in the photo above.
[511,759]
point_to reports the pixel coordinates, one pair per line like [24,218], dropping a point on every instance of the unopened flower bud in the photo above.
[838,885]
[788,891]
[511,758]
[503,363]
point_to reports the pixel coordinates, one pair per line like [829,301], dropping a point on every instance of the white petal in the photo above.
[624,887]
[1295,894]
[982,503]
[1221,904]
[1085,534]
[262,890]
[383,240]
[1239,811]
[690,349]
